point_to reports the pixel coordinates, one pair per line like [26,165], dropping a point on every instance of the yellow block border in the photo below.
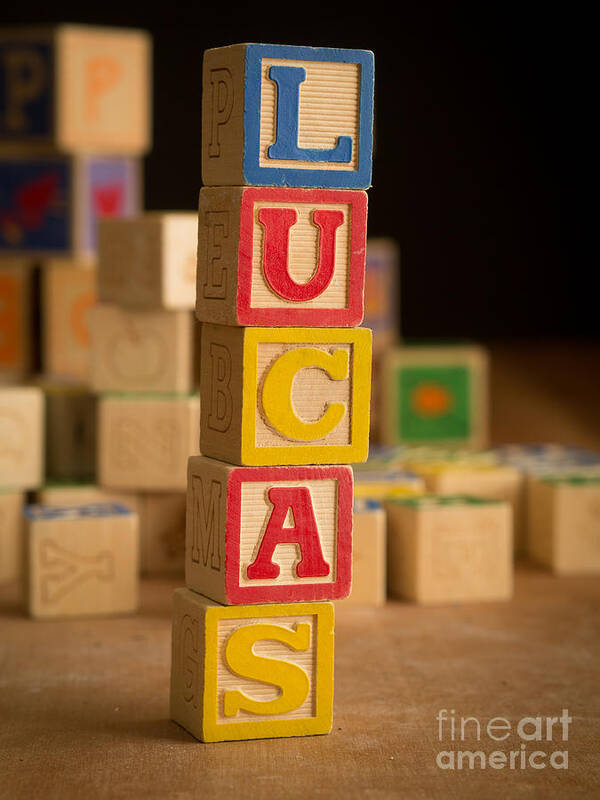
[323,675]
[360,377]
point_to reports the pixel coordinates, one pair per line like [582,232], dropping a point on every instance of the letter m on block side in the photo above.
[206,509]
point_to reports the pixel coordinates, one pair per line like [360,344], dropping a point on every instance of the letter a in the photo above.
[277,223]
[304,533]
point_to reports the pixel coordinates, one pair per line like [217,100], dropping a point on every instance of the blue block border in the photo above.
[256,175]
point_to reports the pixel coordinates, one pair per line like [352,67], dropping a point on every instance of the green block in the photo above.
[435,403]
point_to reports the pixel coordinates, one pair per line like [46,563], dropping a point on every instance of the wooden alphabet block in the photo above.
[492,481]
[16,301]
[21,437]
[273,256]
[70,432]
[69,294]
[140,351]
[144,441]
[285,396]
[83,494]
[369,543]
[160,251]
[449,549]
[382,293]
[251,672]
[564,522]
[435,395]
[75,89]
[11,534]
[50,205]
[274,115]
[81,560]
[268,535]
[162,532]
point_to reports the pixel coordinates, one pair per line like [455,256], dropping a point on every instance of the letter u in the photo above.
[277,223]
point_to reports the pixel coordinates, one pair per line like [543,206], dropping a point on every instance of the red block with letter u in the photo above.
[268,534]
[281,257]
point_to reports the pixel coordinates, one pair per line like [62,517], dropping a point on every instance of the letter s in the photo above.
[290,678]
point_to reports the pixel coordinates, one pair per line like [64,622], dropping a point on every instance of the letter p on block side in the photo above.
[275,115]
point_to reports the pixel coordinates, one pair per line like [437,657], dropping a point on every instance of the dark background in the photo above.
[480,155]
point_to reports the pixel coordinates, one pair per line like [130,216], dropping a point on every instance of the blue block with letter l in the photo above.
[279,115]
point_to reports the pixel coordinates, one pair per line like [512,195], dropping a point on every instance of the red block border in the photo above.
[298,592]
[348,317]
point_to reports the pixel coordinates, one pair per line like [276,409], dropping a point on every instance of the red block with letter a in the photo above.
[268,534]
[281,257]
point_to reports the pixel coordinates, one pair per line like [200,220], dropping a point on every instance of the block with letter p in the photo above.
[268,534]
[279,256]
[285,395]
[251,672]
[274,115]
[75,88]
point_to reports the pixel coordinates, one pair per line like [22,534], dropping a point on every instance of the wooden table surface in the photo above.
[84,704]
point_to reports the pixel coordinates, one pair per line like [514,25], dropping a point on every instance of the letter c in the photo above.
[277,392]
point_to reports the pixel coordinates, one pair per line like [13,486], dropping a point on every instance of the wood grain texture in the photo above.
[449,550]
[293,521]
[564,523]
[144,441]
[140,351]
[329,108]
[22,437]
[219,652]
[289,396]
[96,82]
[160,250]
[81,561]
[15,320]
[69,293]
[243,278]
[11,535]
[81,690]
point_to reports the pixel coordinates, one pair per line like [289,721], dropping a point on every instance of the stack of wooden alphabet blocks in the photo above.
[142,369]
[74,123]
[285,386]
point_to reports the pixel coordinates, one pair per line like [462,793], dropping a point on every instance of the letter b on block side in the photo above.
[292,395]
[251,672]
[274,115]
[273,256]
[268,534]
